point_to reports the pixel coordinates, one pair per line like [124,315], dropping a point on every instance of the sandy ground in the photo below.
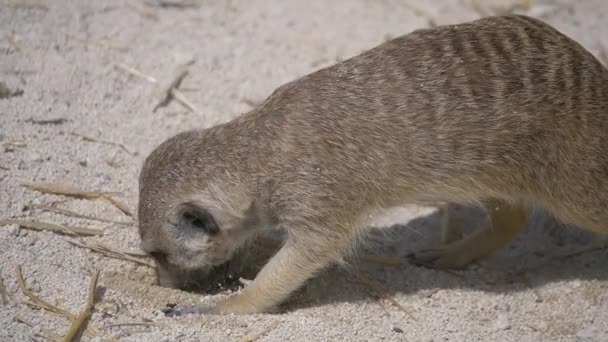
[61,63]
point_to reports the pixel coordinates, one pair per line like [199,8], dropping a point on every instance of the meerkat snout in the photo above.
[191,250]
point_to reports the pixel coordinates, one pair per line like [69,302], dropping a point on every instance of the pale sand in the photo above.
[63,56]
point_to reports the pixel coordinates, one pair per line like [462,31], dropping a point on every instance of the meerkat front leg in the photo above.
[506,221]
[302,256]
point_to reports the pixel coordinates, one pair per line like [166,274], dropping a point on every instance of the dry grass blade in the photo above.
[36,301]
[65,189]
[178,4]
[39,303]
[53,227]
[136,73]
[47,335]
[256,335]
[110,252]
[79,321]
[166,93]
[12,145]
[119,205]
[379,291]
[91,139]
[3,293]
[75,214]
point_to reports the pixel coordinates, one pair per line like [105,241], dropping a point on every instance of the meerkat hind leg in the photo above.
[506,221]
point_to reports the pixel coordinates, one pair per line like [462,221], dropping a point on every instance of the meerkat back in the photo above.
[502,105]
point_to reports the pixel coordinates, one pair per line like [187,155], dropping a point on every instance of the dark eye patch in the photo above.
[198,223]
[199,219]
[160,257]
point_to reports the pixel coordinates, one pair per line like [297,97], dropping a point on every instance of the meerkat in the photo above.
[504,111]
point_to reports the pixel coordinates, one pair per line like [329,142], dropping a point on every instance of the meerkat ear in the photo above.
[193,217]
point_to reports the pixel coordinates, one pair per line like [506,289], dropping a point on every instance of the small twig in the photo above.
[53,227]
[118,204]
[75,214]
[56,121]
[110,252]
[180,97]
[4,168]
[178,4]
[251,337]
[379,291]
[91,139]
[3,293]
[80,320]
[103,42]
[166,93]
[136,73]
[131,324]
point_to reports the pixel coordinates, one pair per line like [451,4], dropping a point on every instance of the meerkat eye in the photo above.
[159,256]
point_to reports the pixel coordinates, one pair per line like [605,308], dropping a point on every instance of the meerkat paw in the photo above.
[240,304]
[438,258]
[175,310]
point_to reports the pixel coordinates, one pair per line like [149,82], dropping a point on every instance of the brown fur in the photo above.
[502,111]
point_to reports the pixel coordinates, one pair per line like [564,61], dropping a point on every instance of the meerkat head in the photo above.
[188,223]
